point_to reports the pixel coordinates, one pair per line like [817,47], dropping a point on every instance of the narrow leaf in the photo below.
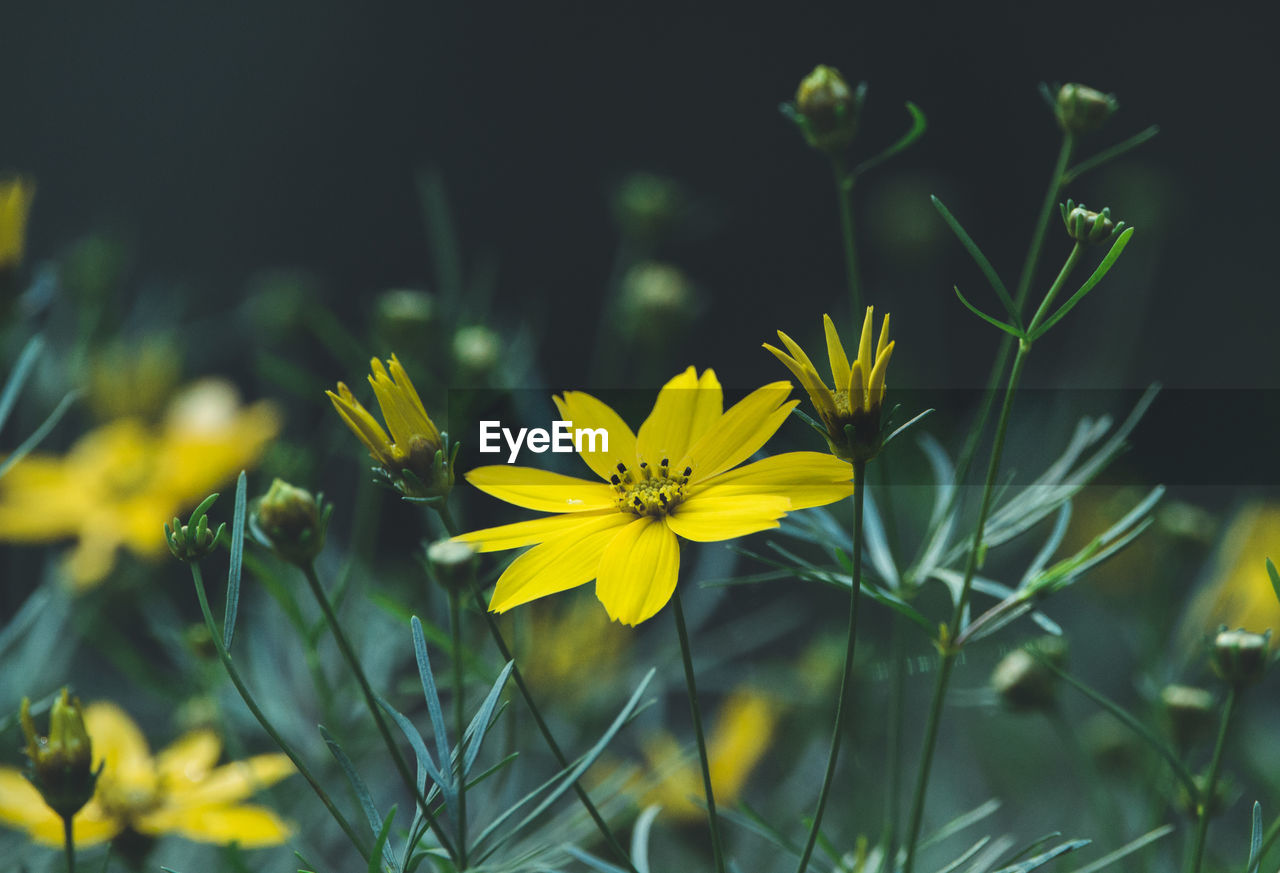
[1117,248]
[1007,328]
[983,264]
[381,846]
[18,377]
[480,724]
[40,432]
[237,561]
[1040,860]
[430,693]
[1108,154]
[918,126]
[1127,849]
[640,837]
[1275,577]
[1255,840]
[362,794]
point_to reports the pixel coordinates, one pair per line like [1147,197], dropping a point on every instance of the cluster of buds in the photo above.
[61,764]
[1081,109]
[193,540]
[1086,226]
[291,521]
[826,110]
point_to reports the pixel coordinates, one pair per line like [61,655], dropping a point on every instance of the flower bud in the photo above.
[647,206]
[452,564]
[656,298]
[826,110]
[405,316]
[291,521]
[1081,109]
[1191,712]
[61,763]
[1240,657]
[1023,681]
[477,350]
[194,540]
[1086,226]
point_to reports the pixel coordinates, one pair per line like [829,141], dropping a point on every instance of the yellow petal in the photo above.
[864,342]
[835,353]
[528,533]
[806,478]
[565,562]
[819,394]
[119,744]
[884,337]
[232,782]
[711,519]
[541,489]
[857,387]
[253,827]
[740,432]
[743,732]
[188,759]
[638,571]
[22,808]
[362,424]
[875,385]
[686,408]
[586,411]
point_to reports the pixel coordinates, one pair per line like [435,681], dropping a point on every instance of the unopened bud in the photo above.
[1086,226]
[61,763]
[194,540]
[452,564]
[827,110]
[1023,681]
[657,299]
[1240,657]
[292,521]
[477,350]
[1081,109]
[1191,711]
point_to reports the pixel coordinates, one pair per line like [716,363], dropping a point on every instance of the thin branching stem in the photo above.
[837,729]
[893,745]
[69,843]
[844,196]
[691,685]
[1205,801]
[459,721]
[234,674]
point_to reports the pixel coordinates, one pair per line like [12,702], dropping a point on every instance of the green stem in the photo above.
[893,748]
[69,843]
[455,618]
[947,656]
[1043,310]
[713,822]
[1204,803]
[371,701]
[442,509]
[252,704]
[844,197]
[1042,223]
[851,638]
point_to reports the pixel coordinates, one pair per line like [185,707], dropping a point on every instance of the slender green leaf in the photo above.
[918,126]
[426,765]
[962,821]
[1117,248]
[480,724]
[968,853]
[362,794]
[1032,846]
[983,264]
[1007,328]
[753,821]
[1127,849]
[640,837]
[40,432]
[237,560]
[430,693]
[1108,154]
[1040,860]
[381,846]
[18,377]
[1275,577]
[1255,840]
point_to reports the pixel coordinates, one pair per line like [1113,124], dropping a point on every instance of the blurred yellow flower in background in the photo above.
[15,203]
[742,734]
[119,483]
[179,791]
[1239,593]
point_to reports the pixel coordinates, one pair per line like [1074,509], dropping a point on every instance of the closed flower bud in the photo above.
[1191,712]
[477,350]
[291,521]
[1086,226]
[61,763]
[452,564]
[1240,657]
[405,316]
[647,207]
[657,300]
[1023,681]
[1081,109]
[827,110]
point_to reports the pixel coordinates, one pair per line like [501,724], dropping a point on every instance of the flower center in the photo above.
[648,491]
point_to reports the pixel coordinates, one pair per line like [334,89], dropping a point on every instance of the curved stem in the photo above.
[371,701]
[460,726]
[69,843]
[442,509]
[717,846]
[844,197]
[1204,803]
[947,656]
[234,675]
[837,730]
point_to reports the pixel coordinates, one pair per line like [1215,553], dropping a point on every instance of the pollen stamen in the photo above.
[655,493]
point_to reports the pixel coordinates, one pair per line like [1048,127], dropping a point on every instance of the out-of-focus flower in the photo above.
[657,301]
[578,626]
[674,479]
[1081,109]
[1239,657]
[477,351]
[117,484]
[15,204]
[133,377]
[827,110]
[179,791]
[743,732]
[405,316]
[414,457]
[851,412]
[61,763]
[1239,593]
[1022,680]
[647,206]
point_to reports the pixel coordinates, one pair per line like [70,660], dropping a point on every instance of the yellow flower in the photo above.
[179,791]
[741,736]
[119,483]
[1240,594]
[15,203]
[673,479]
[412,457]
[851,412]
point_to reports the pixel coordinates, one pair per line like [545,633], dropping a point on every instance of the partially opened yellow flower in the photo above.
[121,482]
[413,458]
[675,478]
[850,411]
[179,791]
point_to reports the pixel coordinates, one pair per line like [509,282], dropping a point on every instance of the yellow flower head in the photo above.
[850,411]
[178,791]
[15,203]
[413,456]
[675,478]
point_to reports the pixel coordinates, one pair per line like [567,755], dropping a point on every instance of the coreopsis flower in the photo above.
[414,458]
[120,482]
[1239,592]
[674,479]
[851,410]
[179,791]
[15,203]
